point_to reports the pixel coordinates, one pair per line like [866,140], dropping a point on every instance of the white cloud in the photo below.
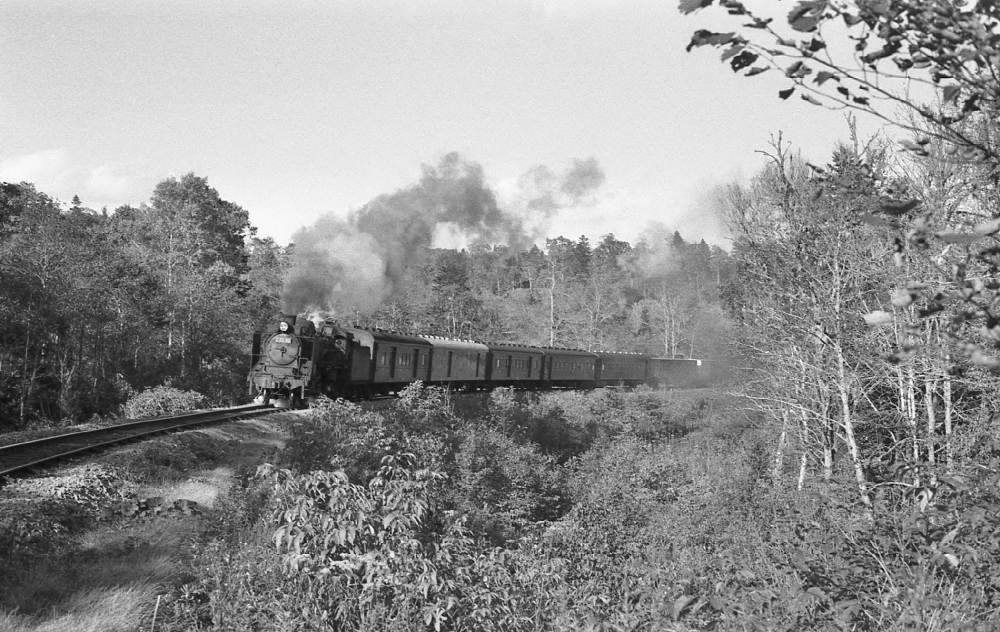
[59,174]
[49,167]
[107,182]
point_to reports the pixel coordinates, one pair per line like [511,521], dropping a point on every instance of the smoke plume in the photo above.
[335,267]
[340,266]
[543,191]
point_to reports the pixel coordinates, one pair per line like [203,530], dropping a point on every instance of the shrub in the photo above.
[162,400]
[336,434]
[423,409]
[340,435]
[504,485]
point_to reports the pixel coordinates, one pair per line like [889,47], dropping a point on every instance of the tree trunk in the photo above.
[946,396]
[25,384]
[911,415]
[848,424]
[802,470]
[779,453]
[930,386]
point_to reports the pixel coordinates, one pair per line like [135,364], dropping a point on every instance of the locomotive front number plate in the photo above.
[283,339]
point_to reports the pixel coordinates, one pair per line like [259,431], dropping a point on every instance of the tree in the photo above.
[946,46]
[807,267]
[193,241]
[454,308]
[677,286]
[607,255]
[72,302]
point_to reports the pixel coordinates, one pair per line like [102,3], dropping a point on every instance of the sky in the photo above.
[300,108]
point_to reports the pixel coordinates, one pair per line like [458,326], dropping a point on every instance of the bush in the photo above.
[423,409]
[504,485]
[335,434]
[162,400]
[340,435]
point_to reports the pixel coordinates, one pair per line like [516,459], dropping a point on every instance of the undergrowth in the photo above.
[591,511]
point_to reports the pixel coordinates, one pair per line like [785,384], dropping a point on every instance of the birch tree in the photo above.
[804,273]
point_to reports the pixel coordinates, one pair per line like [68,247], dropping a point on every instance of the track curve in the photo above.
[19,457]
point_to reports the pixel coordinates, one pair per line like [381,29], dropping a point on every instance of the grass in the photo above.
[202,488]
[112,609]
[107,575]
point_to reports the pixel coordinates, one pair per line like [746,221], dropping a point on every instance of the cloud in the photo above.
[59,174]
[107,182]
[47,167]
[627,213]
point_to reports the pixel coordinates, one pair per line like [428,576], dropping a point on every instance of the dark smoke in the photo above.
[335,267]
[540,186]
[583,178]
[545,192]
[341,266]
[454,193]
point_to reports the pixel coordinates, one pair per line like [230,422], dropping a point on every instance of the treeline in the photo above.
[658,297]
[98,306]
[855,348]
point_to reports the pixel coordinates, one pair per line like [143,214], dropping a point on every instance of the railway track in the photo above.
[24,457]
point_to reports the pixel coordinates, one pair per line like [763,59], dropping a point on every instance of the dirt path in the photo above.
[91,546]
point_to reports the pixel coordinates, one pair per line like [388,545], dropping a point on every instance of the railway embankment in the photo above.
[92,544]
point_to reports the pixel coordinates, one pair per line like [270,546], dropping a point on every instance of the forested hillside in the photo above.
[98,306]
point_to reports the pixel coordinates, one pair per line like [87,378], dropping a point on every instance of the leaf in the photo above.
[988,228]
[962,239]
[784,94]
[979,358]
[732,50]
[756,71]
[798,69]
[743,60]
[875,220]
[806,15]
[816,45]
[878,318]
[823,76]
[851,20]
[681,604]
[899,208]
[917,148]
[703,37]
[881,53]
[901,298]
[690,6]
[810,99]
[758,23]
[817,592]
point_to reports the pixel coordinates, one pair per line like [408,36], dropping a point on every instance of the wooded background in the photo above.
[97,306]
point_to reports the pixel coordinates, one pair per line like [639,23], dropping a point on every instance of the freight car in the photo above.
[294,360]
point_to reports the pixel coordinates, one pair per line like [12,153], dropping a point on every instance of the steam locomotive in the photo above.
[295,361]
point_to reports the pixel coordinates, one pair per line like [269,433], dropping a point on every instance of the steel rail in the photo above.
[30,454]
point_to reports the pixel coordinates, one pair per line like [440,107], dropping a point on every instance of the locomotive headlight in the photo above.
[283,326]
